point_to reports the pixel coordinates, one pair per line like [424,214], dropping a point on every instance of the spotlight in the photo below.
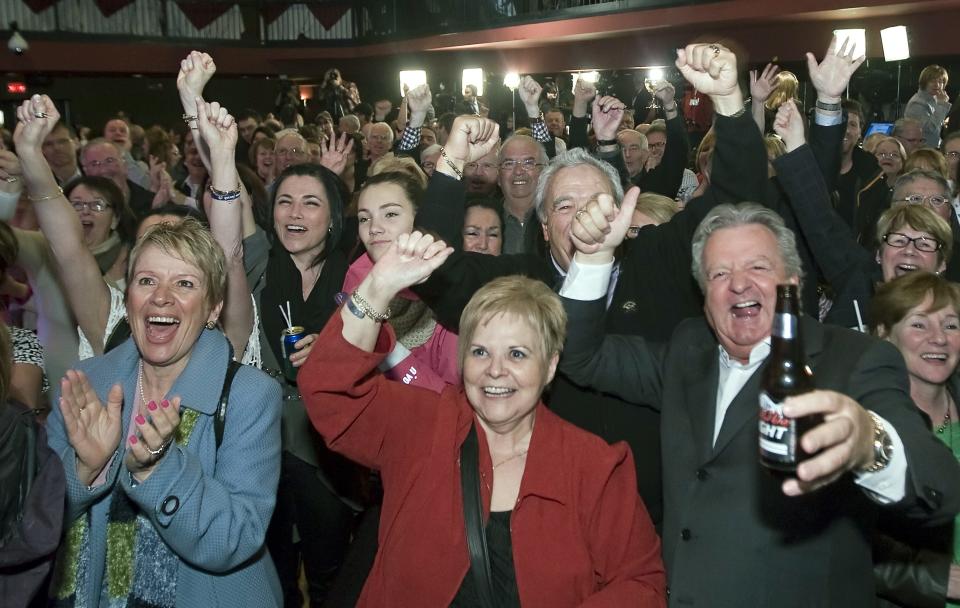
[473,76]
[856,37]
[17,43]
[410,79]
[511,81]
[895,44]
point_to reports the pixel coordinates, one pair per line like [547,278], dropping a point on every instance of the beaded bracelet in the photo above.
[37,199]
[450,164]
[225,196]
[379,317]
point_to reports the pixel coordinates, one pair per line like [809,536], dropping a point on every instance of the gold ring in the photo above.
[40,114]
[715,49]
[579,213]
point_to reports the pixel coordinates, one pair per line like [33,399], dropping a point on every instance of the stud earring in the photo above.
[210,324]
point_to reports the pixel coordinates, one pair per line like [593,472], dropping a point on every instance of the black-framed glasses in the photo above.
[937,200]
[921,243]
[528,164]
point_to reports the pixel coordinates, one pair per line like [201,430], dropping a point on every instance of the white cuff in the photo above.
[586,282]
[888,485]
[825,119]
[8,204]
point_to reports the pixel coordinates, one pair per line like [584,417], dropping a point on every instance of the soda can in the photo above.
[289,337]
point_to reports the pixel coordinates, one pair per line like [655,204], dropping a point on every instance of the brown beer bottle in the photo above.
[786,374]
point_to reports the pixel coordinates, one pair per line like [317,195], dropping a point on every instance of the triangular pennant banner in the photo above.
[271,12]
[38,6]
[203,14]
[329,13]
[109,7]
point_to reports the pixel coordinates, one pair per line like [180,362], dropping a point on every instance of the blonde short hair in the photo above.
[191,242]
[927,159]
[390,163]
[531,300]
[657,207]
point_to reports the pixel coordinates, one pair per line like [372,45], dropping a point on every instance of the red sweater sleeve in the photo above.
[624,545]
[359,413]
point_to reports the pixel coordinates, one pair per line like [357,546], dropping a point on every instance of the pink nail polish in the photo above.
[152,406]
[140,419]
[133,439]
[164,403]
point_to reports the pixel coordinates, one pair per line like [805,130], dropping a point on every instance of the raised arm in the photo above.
[84,287]
[667,176]
[196,70]
[219,130]
[761,86]
[583,92]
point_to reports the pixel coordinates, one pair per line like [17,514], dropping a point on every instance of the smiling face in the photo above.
[384,212]
[634,152]
[742,266]
[118,132]
[301,216]
[569,191]
[291,150]
[852,135]
[519,183]
[929,342]
[481,231]
[167,307]
[895,262]
[96,225]
[657,144]
[504,373]
[555,123]
[265,164]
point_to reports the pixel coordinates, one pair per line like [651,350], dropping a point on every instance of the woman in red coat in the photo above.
[564,525]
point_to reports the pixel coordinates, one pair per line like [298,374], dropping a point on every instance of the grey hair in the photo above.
[289,133]
[644,144]
[908,178]
[541,152]
[429,151]
[99,141]
[745,214]
[573,158]
[903,122]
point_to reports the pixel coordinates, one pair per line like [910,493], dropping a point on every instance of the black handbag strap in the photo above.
[220,418]
[473,518]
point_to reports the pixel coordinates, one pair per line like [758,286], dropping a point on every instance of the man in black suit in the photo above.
[652,290]
[734,534]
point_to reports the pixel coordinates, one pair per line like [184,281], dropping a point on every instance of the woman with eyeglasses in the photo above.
[912,235]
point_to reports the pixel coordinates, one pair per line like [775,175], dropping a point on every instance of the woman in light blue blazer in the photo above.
[168,494]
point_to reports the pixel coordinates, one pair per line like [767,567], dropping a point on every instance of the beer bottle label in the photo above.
[778,434]
[784,326]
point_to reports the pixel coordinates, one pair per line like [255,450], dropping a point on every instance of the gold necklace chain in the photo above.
[946,417]
[514,457]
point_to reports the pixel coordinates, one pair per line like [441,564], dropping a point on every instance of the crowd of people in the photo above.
[388,357]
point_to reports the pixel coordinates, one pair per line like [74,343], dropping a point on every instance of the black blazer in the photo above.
[730,536]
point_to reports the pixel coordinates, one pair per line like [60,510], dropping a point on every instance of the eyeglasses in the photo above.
[528,164]
[659,144]
[935,200]
[428,165]
[108,161]
[289,152]
[96,205]
[921,243]
[888,155]
[483,167]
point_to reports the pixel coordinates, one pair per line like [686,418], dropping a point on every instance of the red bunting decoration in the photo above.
[38,6]
[329,13]
[109,7]
[272,12]
[203,14]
